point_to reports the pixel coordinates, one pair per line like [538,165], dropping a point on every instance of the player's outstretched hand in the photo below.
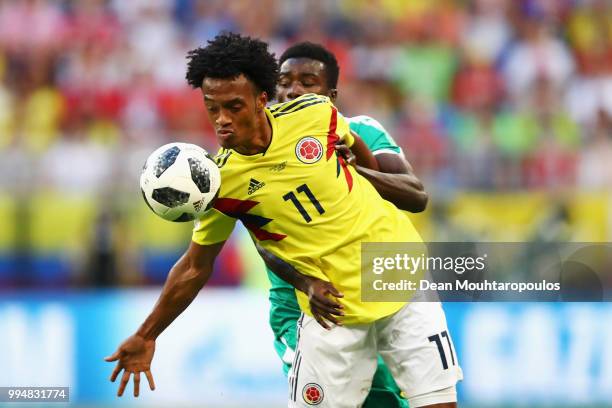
[345,152]
[133,356]
[324,309]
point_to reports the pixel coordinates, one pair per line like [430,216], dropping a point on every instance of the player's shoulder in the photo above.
[305,103]
[373,133]
[365,121]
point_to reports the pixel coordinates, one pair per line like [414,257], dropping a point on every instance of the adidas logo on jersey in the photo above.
[255,185]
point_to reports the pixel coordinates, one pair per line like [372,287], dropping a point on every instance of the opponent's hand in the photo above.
[322,307]
[345,152]
[134,356]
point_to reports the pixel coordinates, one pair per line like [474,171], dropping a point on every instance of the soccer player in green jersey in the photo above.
[311,68]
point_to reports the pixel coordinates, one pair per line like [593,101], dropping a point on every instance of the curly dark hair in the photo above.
[229,55]
[316,52]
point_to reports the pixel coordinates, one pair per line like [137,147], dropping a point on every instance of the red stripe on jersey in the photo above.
[332,137]
[347,173]
[234,205]
[263,235]
[239,209]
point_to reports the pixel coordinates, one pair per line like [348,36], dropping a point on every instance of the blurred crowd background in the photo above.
[504,108]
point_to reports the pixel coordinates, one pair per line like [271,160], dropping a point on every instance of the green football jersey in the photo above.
[373,134]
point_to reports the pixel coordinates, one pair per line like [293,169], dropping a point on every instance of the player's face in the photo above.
[299,76]
[233,106]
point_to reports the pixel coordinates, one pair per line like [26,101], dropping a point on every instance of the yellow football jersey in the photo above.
[304,204]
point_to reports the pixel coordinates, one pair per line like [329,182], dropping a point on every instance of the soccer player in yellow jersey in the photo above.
[301,202]
[307,67]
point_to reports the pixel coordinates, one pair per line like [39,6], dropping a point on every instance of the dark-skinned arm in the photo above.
[322,307]
[363,154]
[183,283]
[392,176]
[396,182]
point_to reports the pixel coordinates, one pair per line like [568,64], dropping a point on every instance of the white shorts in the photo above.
[334,368]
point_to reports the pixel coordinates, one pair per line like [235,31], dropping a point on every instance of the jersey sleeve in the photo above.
[374,135]
[213,228]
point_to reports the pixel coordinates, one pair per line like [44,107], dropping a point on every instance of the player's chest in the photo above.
[293,182]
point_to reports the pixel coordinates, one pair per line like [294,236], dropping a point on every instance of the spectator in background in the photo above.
[427,146]
[477,84]
[102,258]
[590,33]
[31,26]
[425,69]
[207,19]
[476,92]
[537,53]
[595,164]
[76,163]
[553,162]
[488,31]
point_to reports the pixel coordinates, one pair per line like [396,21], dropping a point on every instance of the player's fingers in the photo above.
[344,151]
[324,300]
[150,379]
[330,318]
[136,383]
[323,323]
[341,148]
[116,372]
[332,289]
[319,319]
[112,357]
[340,145]
[124,380]
[325,316]
[327,308]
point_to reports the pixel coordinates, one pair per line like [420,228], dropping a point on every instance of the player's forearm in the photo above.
[296,279]
[403,190]
[363,155]
[184,282]
[285,271]
[414,182]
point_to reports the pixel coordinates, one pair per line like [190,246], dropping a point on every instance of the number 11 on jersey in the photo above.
[291,196]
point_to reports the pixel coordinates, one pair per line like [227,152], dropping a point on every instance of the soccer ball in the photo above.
[180,181]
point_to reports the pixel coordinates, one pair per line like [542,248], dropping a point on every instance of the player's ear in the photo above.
[333,94]
[262,101]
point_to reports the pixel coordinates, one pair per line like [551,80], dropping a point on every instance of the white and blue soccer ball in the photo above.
[180,182]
